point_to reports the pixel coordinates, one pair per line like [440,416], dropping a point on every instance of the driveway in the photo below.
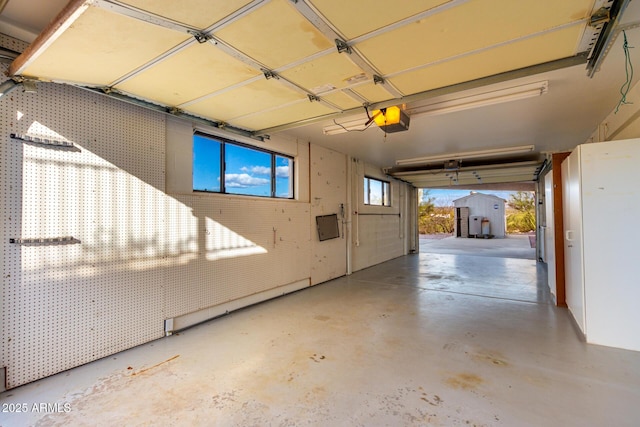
[512,246]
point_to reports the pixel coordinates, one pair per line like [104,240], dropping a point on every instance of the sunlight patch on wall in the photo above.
[38,129]
[225,243]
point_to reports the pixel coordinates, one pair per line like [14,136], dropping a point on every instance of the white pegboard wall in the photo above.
[65,305]
[144,255]
[12,43]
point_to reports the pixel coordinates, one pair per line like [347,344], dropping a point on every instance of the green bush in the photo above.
[522,217]
[435,219]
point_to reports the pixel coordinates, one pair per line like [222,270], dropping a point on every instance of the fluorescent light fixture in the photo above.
[520,149]
[481,100]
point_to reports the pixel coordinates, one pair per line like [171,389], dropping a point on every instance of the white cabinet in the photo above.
[573,258]
[601,195]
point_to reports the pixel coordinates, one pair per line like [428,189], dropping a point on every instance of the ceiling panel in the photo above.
[342,100]
[354,18]
[490,62]
[275,35]
[262,61]
[196,13]
[329,71]
[373,92]
[458,30]
[101,46]
[260,95]
[190,73]
[291,113]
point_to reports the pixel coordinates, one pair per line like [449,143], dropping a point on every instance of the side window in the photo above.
[284,177]
[207,155]
[247,171]
[222,166]
[376,192]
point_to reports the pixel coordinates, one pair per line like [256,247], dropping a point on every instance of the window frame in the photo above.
[384,196]
[223,167]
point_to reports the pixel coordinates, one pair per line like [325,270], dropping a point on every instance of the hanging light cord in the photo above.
[624,90]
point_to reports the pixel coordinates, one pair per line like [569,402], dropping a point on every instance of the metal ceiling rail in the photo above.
[143,15]
[201,36]
[268,74]
[322,24]
[518,174]
[422,171]
[607,37]
[410,20]
[592,32]
[76,8]
[176,113]
[233,17]
[464,181]
[153,62]
[488,48]
[221,91]
[310,98]
[580,58]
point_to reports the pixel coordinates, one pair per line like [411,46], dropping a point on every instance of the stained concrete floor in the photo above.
[429,339]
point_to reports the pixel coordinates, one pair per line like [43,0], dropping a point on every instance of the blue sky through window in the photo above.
[206,164]
[247,171]
[284,181]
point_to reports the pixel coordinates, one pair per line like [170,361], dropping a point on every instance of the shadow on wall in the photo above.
[144,256]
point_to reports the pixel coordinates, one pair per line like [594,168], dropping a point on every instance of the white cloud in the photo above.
[258,170]
[282,172]
[243,180]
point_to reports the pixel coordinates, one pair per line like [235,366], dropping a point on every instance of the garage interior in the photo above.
[131,267]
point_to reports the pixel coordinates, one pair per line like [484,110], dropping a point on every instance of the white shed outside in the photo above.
[486,206]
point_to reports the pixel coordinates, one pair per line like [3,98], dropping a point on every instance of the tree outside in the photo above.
[521,212]
[434,219]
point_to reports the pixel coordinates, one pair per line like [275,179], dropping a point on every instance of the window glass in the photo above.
[367,199]
[377,192]
[229,167]
[284,177]
[386,199]
[206,164]
[247,171]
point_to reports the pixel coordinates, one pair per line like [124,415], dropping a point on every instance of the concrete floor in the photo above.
[429,339]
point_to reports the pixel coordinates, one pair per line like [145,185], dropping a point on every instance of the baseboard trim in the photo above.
[191,319]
